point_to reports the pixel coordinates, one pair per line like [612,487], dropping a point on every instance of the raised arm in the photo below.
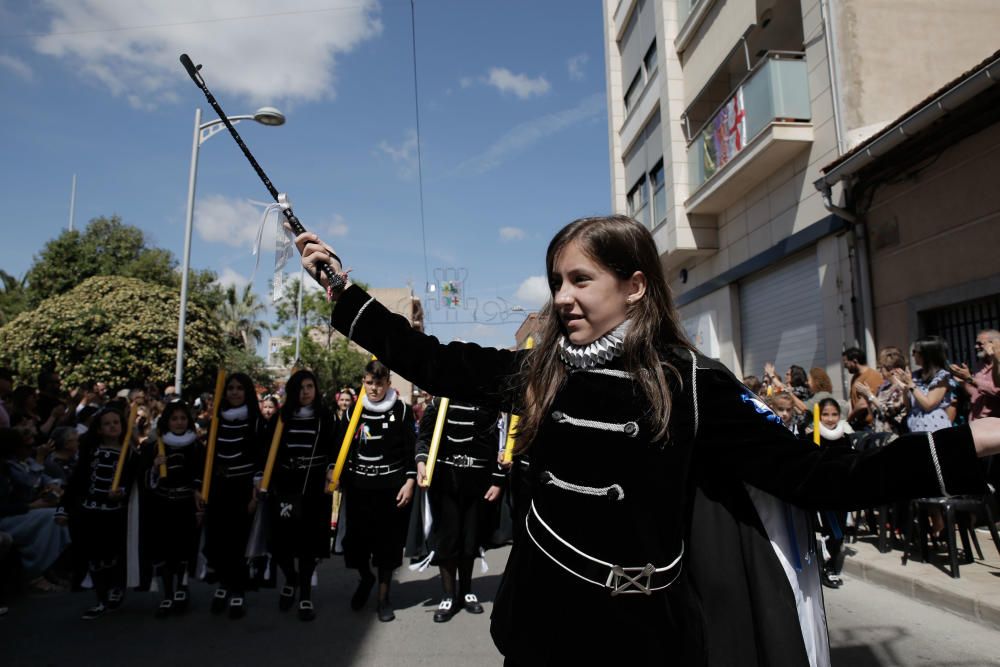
[744,440]
[458,370]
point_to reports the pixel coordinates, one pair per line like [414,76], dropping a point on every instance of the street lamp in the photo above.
[202,133]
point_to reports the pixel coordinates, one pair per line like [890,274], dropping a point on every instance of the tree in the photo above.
[108,247]
[337,365]
[13,297]
[321,349]
[240,316]
[117,330]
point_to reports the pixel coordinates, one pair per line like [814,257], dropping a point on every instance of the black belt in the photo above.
[174,494]
[463,461]
[615,578]
[377,470]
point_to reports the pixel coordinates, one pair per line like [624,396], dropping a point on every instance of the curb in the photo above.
[907,580]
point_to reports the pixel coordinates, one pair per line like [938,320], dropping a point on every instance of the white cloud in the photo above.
[248,47]
[521,85]
[523,136]
[466,81]
[511,233]
[404,154]
[232,278]
[234,222]
[18,67]
[575,66]
[336,227]
[533,292]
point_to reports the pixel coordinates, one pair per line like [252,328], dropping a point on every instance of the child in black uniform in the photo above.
[98,514]
[378,488]
[300,509]
[173,503]
[229,512]
[833,432]
[467,480]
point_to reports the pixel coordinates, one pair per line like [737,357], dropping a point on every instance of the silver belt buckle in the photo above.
[630,579]
[463,460]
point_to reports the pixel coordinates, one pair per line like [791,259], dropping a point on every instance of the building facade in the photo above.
[722,114]
[923,190]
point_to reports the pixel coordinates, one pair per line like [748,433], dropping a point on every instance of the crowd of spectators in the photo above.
[884,401]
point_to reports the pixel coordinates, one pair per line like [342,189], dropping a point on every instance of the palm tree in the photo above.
[240,317]
[13,297]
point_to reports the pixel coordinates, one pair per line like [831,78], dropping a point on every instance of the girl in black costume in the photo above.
[633,462]
[98,514]
[239,454]
[300,507]
[173,502]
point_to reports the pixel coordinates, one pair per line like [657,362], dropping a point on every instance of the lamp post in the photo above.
[202,133]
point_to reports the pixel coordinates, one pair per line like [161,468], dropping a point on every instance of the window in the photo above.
[634,89]
[641,78]
[637,199]
[659,194]
[649,60]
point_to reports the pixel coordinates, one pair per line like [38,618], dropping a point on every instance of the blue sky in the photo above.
[513,134]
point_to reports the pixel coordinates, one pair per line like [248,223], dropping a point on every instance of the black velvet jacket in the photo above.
[469,430]
[604,486]
[381,454]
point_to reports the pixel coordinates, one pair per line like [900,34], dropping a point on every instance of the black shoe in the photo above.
[181,601]
[306,610]
[219,600]
[831,580]
[286,599]
[165,608]
[115,598]
[237,608]
[385,611]
[472,604]
[361,593]
[95,612]
[445,611]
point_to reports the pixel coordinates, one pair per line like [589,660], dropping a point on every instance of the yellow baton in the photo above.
[213,433]
[436,441]
[116,482]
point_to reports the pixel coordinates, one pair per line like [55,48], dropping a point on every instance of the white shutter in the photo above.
[781,317]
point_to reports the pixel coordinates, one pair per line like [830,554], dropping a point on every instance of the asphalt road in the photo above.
[870,627]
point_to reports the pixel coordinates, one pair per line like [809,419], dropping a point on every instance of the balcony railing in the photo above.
[776,89]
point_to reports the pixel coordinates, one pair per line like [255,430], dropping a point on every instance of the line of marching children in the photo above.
[149,508]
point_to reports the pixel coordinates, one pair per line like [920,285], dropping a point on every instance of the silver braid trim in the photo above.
[625,375]
[631,429]
[350,332]
[937,464]
[602,491]
[694,388]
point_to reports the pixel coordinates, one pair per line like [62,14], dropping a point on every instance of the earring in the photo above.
[628,301]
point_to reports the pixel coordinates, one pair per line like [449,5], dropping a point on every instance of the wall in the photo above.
[935,238]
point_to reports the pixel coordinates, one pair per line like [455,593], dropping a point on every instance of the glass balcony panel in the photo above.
[778,90]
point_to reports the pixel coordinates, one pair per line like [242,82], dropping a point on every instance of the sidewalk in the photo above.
[975,595]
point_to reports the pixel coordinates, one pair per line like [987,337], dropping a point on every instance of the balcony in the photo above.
[764,123]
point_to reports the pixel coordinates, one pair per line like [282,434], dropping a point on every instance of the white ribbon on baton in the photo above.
[282,204]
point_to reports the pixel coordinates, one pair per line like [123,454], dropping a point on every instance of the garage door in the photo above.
[781,317]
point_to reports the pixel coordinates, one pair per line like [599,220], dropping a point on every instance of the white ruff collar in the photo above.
[384,405]
[305,412]
[835,433]
[182,440]
[601,351]
[236,414]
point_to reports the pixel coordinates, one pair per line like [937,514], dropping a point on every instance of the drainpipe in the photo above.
[861,268]
[829,37]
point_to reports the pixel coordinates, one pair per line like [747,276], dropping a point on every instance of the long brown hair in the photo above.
[623,246]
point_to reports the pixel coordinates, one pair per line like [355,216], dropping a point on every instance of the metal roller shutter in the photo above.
[781,317]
